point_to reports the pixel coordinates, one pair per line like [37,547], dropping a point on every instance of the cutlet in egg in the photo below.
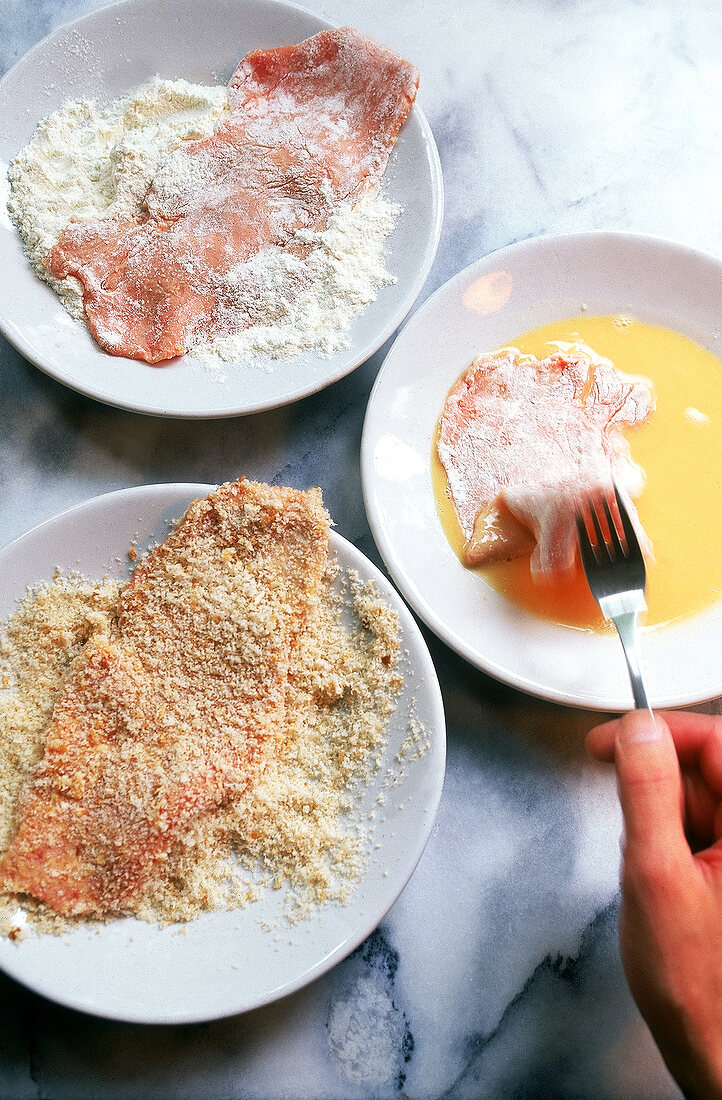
[520,438]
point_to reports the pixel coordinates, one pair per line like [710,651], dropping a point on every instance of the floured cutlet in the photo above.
[522,438]
[174,713]
[311,127]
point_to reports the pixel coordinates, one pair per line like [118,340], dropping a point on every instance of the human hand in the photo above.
[669,775]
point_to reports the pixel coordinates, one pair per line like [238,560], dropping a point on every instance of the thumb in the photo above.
[650,788]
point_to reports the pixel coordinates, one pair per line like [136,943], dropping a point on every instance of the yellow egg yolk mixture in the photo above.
[680,449]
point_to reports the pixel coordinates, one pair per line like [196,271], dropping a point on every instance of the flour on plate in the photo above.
[288,304]
[85,161]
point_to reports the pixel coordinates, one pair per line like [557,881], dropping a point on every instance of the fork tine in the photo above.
[617,548]
[615,573]
[585,544]
[629,533]
[602,548]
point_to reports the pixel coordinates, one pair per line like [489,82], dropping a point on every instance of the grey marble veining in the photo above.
[497,972]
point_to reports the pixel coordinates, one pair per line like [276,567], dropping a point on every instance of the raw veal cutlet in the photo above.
[520,438]
[311,127]
[173,713]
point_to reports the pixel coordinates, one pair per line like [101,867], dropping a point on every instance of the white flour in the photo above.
[87,162]
[290,304]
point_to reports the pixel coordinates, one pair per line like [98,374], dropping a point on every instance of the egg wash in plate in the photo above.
[675,446]
[549,281]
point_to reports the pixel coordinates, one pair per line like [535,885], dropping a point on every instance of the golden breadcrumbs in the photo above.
[177,711]
[293,825]
[37,647]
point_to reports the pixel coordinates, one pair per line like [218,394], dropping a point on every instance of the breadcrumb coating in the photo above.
[214,615]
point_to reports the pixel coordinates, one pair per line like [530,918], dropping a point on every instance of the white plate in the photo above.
[222,963]
[114,50]
[506,294]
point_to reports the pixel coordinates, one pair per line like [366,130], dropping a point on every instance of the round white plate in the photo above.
[114,50]
[224,962]
[486,306]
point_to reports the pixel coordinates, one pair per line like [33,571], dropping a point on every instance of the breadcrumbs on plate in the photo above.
[294,827]
[37,647]
[176,713]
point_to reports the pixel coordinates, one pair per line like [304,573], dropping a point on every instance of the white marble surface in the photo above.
[497,972]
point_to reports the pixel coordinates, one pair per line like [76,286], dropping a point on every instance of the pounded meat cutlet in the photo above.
[312,125]
[521,438]
[171,715]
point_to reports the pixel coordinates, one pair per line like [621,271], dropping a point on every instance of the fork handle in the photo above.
[626,625]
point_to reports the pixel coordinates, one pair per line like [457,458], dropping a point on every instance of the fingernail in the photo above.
[639,725]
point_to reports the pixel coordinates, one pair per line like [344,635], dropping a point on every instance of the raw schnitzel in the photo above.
[521,438]
[311,127]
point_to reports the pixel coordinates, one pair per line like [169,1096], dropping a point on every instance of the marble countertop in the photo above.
[497,972]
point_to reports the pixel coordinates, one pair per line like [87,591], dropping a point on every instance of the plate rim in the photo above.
[402,580]
[150,495]
[17,339]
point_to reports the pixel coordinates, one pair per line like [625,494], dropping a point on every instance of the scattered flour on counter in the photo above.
[366,1032]
[85,162]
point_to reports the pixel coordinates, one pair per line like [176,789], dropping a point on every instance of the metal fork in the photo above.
[614,568]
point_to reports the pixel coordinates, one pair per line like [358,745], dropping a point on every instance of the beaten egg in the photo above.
[680,449]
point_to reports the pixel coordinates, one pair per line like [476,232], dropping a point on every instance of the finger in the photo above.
[650,791]
[600,741]
[710,761]
[690,733]
[698,740]
[700,811]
